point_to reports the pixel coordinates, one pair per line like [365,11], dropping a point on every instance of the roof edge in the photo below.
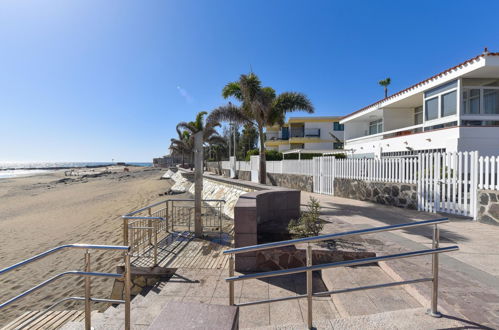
[422,82]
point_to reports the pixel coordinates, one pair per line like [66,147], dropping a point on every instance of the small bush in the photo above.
[309,223]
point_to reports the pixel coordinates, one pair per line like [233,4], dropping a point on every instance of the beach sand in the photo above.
[40,212]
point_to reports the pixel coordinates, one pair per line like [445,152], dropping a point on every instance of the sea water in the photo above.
[18,169]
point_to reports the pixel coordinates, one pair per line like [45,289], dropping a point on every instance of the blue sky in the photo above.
[93,80]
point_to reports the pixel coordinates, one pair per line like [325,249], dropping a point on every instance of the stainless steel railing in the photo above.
[309,268]
[87,274]
[144,228]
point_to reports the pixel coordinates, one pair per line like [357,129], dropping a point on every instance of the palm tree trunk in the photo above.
[263,164]
[386,92]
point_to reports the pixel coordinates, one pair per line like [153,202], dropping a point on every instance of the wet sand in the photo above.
[40,212]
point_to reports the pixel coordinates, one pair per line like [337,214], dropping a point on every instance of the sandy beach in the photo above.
[40,212]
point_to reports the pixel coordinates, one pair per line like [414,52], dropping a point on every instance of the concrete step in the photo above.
[408,319]
[365,302]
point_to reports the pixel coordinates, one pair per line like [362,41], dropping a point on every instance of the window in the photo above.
[431,108]
[441,101]
[337,145]
[480,123]
[418,115]
[471,101]
[449,104]
[376,127]
[441,89]
[338,127]
[491,101]
[440,126]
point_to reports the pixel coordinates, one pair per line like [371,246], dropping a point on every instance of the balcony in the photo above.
[274,136]
[305,132]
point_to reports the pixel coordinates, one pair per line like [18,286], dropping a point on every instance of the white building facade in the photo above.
[455,110]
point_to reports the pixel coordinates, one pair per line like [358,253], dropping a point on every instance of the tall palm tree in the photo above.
[260,107]
[385,83]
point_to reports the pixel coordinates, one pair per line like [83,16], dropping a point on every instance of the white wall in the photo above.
[284,147]
[355,129]
[319,146]
[445,138]
[397,118]
[483,139]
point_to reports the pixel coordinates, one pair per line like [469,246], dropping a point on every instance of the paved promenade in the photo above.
[469,278]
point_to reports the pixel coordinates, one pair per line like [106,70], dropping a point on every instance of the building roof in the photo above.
[438,75]
[314,119]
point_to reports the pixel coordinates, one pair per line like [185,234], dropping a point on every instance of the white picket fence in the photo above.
[489,173]
[291,166]
[446,182]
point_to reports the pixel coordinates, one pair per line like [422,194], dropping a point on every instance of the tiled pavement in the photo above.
[213,289]
[469,278]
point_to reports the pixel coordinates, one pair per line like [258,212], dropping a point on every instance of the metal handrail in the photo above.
[52,279]
[126,276]
[345,263]
[152,226]
[334,236]
[167,200]
[58,248]
[309,268]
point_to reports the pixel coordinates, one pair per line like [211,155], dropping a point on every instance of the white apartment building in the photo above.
[306,135]
[455,110]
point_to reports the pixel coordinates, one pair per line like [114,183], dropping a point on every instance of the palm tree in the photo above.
[260,107]
[189,129]
[182,145]
[385,83]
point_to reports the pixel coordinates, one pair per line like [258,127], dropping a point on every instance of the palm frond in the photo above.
[232,89]
[250,86]
[293,101]
[228,113]
[216,140]
[187,126]
[199,122]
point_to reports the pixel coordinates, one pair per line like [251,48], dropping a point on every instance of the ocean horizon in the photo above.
[19,169]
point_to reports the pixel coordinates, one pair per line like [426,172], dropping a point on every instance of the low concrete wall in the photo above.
[262,213]
[293,181]
[396,194]
[488,207]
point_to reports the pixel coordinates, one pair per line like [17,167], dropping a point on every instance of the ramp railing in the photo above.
[143,229]
[86,273]
[309,268]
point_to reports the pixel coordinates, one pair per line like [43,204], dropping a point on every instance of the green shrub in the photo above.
[309,223]
[252,152]
[269,154]
[312,155]
[273,155]
[339,156]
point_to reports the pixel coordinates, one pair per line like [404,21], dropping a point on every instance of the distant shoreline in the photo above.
[75,166]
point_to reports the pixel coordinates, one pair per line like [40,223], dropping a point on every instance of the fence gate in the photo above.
[448,183]
[255,168]
[324,170]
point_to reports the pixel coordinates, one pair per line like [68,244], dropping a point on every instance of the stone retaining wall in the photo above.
[395,194]
[488,207]
[293,181]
